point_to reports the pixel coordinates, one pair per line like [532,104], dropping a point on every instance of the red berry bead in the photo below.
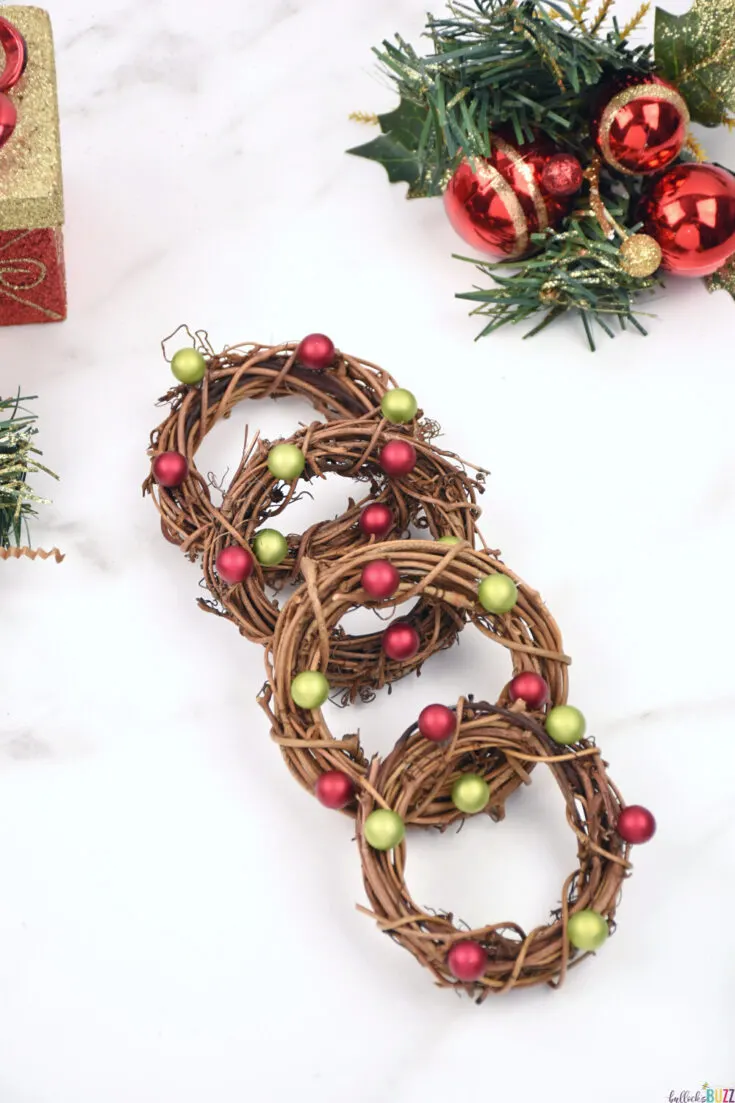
[334,789]
[467,960]
[170,469]
[376,520]
[380,579]
[636,824]
[234,564]
[401,641]
[562,175]
[437,722]
[397,458]
[529,687]
[316,352]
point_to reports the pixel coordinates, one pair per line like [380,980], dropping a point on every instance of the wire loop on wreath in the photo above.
[446,579]
[514,958]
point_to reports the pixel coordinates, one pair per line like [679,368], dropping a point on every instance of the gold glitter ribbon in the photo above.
[526,171]
[628,95]
[512,204]
[19,274]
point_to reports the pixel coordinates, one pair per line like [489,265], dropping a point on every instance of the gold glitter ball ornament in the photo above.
[640,255]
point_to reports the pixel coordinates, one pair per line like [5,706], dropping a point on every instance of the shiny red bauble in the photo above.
[467,960]
[334,789]
[640,125]
[8,118]
[401,641]
[16,54]
[529,687]
[499,203]
[690,212]
[437,723]
[170,469]
[562,175]
[636,824]
[397,458]
[380,579]
[376,520]
[234,564]
[316,351]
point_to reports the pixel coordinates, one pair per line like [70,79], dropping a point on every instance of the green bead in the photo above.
[497,593]
[565,724]
[188,365]
[587,930]
[470,793]
[399,406]
[270,547]
[286,461]
[384,829]
[309,689]
[451,540]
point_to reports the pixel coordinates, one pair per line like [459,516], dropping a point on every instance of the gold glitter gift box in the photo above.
[32,278]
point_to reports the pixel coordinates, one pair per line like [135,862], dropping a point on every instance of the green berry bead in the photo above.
[189,366]
[384,829]
[286,461]
[470,793]
[451,540]
[497,593]
[565,724]
[399,406]
[270,547]
[587,930]
[309,689]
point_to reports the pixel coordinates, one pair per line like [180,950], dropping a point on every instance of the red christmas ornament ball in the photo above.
[15,49]
[499,203]
[170,469]
[8,118]
[690,212]
[334,789]
[316,351]
[636,824]
[380,579]
[562,175]
[529,687]
[437,723]
[401,641]
[376,520]
[640,126]
[234,564]
[397,458]
[467,960]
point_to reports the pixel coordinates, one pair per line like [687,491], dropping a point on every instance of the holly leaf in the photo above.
[399,162]
[696,51]
[399,147]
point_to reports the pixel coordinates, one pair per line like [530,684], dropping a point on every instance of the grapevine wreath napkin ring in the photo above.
[406,550]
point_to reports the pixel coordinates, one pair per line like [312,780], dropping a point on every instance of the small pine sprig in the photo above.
[18,461]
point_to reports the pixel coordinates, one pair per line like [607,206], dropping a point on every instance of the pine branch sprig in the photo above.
[18,461]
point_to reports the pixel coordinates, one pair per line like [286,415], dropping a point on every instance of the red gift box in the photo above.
[32,278]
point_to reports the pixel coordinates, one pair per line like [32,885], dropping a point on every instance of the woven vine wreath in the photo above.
[409,483]
[470,584]
[502,955]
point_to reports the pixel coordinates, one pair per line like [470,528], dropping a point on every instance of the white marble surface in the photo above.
[177,918]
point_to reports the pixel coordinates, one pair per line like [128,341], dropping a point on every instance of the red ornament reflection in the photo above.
[499,203]
[690,212]
[641,126]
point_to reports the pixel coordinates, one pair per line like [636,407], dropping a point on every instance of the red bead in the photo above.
[397,458]
[8,118]
[334,789]
[467,960]
[376,520]
[170,469]
[690,212]
[234,564]
[640,125]
[636,824]
[316,352]
[497,205]
[562,175]
[437,722]
[380,579]
[16,55]
[529,687]
[401,641]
